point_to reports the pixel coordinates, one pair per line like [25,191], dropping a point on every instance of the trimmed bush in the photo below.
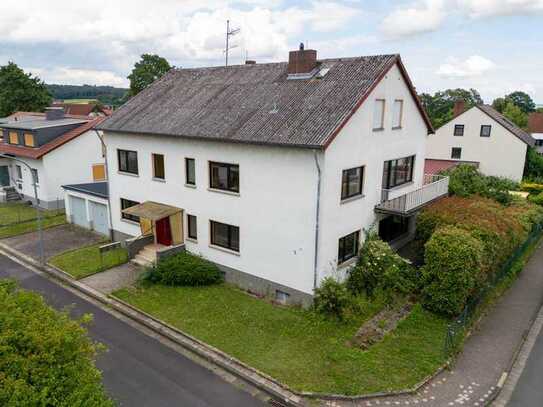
[184,269]
[531,187]
[536,199]
[331,298]
[452,270]
[46,358]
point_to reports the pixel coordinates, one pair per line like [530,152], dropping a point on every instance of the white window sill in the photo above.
[379,129]
[130,222]
[352,198]
[400,186]
[159,179]
[190,239]
[347,264]
[193,186]
[224,249]
[397,128]
[128,173]
[222,191]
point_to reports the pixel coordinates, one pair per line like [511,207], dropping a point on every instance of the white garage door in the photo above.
[98,214]
[78,211]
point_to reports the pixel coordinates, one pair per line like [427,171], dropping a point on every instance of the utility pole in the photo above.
[229,33]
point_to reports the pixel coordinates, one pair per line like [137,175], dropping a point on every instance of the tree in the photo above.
[516,115]
[21,91]
[47,359]
[499,104]
[522,100]
[146,71]
[440,106]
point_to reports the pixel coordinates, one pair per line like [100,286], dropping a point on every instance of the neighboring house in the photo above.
[484,137]
[59,150]
[272,171]
[535,128]
[84,109]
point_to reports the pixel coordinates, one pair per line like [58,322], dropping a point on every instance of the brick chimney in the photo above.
[459,107]
[54,113]
[302,61]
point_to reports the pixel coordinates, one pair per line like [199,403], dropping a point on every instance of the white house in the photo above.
[272,171]
[52,149]
[483,136]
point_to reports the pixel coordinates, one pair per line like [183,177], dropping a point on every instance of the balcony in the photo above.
[434,187]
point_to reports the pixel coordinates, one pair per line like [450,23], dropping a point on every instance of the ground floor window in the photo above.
[192,229]
[224,235]
[392,227]
[348,247]
[125,204]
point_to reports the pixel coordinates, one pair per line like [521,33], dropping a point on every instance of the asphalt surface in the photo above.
[529,389]
[137,369]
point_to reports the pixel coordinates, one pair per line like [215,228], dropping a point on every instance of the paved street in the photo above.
[138,370]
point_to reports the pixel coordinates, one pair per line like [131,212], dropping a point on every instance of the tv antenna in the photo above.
[229,33]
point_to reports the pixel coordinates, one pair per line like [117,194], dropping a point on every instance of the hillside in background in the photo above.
[108,95]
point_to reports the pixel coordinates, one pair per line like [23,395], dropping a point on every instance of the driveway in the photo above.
[138,370]
[55,240]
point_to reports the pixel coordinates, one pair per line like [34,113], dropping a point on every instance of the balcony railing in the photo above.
[434,187]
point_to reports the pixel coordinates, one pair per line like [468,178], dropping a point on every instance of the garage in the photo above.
[87,206]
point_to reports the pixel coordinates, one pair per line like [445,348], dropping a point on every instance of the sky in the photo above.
[494,46]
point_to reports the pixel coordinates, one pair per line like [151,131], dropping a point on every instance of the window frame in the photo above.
[31,136]
[228,167]
[382,126]
[459,126]
[230,229]
[453,149]
[396,126]
[154,156]
[360,192]
[189,231]
[387,184]
[35,176]
[19,172]
[127,170]
[16,134]
[124,216]
[489,126]
[342,255]
[187,180]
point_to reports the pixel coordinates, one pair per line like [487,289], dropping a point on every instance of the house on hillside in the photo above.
[535,128]
[49,149]
[480,136]
[272,171]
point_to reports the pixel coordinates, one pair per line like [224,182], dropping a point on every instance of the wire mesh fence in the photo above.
[457,329]
[12,213]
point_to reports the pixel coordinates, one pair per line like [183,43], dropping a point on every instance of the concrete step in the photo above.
[141,262]
[149,254]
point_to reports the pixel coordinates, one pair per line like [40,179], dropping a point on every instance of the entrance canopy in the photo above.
[152,210]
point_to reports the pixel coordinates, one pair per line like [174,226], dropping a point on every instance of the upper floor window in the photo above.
[485,130]
[352,181]
[13,137]
[125,204]
[398,172]
[128,161]
[35,177]
[348,247]
[539,142]
[98,172]
[379,114]
[397,114]
[456,153]
[190,171]
[224,176]
[458,129]
[29,140]
[158,166]
[224,235]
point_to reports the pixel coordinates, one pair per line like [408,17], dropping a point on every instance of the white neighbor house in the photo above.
[481,135]
[60,150]
[272,171]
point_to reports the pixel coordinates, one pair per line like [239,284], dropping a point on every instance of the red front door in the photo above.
[163,232]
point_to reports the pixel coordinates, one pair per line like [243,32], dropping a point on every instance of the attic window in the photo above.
[322,73]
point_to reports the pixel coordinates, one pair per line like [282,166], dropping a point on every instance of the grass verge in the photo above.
[85,261]
[32,226]
[298,347]
[11,213]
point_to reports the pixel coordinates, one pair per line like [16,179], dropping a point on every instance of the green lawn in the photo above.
[19,212]
[85,261]
[32,226]
[297,347]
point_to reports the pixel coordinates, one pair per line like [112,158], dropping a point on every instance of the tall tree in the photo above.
[516,115]
[21,91]
[440,106]
[147,70]
[499,104]
[522,100]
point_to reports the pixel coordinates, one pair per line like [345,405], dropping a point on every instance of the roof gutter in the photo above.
[317,220]
[101,138]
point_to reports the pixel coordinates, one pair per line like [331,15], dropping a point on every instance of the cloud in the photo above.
[73,76]
[473,66]
[489,8]
[420,17]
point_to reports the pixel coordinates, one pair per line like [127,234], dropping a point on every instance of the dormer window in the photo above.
[13,137]
[29,140]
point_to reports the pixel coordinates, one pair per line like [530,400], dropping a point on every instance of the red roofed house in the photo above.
[535,128]
[60,149]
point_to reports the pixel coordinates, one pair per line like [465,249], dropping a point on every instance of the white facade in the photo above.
[502,154]
[94,213]
[276,207]
[70,163]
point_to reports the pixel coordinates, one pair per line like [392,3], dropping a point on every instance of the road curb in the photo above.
[262,381]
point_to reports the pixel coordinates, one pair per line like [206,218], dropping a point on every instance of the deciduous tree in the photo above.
[150,68]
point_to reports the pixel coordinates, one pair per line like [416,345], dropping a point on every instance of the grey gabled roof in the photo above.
[99,189]
[508,124]
[255,103]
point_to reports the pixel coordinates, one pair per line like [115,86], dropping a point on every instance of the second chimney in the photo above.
[459,107]
[54,113]
[302,61]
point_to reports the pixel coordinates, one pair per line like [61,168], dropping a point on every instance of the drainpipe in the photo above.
[317,213]
[104,149]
